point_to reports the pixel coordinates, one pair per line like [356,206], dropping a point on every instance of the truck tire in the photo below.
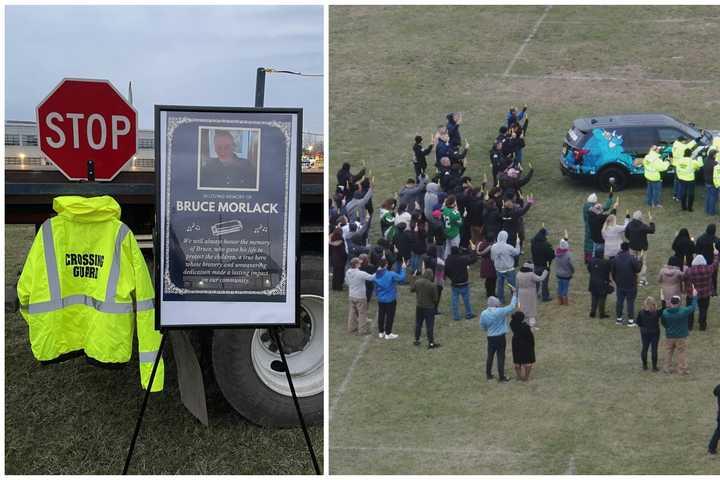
[246,362]
[620,175]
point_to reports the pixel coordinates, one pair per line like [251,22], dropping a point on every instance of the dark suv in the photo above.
[607,147]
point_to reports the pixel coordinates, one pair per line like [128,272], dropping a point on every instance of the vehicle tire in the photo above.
[243,362]
[620,175]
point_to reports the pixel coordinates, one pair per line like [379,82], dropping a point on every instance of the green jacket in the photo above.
[452,221]
[675,320]
[426,290]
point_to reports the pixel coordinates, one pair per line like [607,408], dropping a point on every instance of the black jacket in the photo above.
[510,184]
[542,252]
[704,245]
[475,208]
[649,322]
[599,269]
[624,268]
[636,233]
[510,220]
[456,268]
[596,221]
[420,155]
[347,180]
[453,129]
[491,222]
[684,249]
[404,241]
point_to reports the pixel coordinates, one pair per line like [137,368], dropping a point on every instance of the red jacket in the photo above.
[701,277]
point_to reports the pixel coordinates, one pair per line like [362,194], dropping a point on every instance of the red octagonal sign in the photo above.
[85,120]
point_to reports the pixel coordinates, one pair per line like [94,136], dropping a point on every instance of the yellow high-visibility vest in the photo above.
[686,167]
[678,149]
[716,176]
[653,165]
[85,285]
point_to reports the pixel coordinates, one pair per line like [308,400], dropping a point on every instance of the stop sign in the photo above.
[83,120]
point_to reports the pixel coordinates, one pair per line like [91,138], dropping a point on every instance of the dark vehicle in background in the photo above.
[609,149]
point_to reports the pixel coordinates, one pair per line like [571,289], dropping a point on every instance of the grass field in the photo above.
[73,418]
[590,409]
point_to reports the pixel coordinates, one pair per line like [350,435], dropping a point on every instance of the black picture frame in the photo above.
[158,206]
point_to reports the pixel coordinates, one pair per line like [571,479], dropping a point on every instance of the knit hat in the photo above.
[493,302]
[637,215]
[698,260]
[564,244]
[675,300]
[592,198]
[528,265]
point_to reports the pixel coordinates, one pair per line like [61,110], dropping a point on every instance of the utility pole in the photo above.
[260,88]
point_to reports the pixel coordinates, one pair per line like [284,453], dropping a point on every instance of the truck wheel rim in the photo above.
[306,365]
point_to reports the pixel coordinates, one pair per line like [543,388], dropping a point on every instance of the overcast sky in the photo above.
[187,55]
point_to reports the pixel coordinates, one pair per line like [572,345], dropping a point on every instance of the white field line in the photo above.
[595,78]
[346,381]
[571,466]
[527,40]
[459,451]
[656,20]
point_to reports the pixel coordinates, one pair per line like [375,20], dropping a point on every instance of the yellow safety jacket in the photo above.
[84,286]
[716,176]
[678,149]
[653,165]
[685,167]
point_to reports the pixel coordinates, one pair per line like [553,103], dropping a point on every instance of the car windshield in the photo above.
[707,138]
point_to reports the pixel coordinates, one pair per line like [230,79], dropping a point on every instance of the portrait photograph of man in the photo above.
[229,159]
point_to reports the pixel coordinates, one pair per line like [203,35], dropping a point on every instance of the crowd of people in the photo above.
[442,223]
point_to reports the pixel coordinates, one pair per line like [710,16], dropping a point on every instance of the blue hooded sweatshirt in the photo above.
[385,281]
[493,321]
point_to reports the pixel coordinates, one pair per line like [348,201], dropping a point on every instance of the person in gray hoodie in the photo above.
[413,192]
[503,258]
[355,208]
[429,201]
[564,270]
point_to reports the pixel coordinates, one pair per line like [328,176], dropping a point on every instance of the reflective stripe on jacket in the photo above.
[653,165]
[686,167]
[716,176]
[84,286]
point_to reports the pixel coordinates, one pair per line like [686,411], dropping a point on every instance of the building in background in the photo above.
[22,151]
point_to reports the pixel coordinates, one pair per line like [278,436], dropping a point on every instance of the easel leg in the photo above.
[144,405]
[276,337]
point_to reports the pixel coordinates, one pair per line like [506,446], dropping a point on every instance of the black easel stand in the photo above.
[144,404]
[276,337]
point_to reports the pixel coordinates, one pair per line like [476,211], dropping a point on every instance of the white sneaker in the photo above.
[631,324]
[381,335]
[619,321]
[391,336]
